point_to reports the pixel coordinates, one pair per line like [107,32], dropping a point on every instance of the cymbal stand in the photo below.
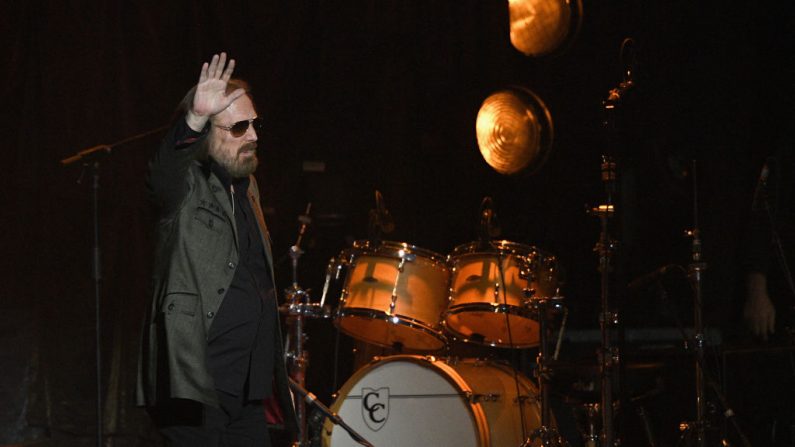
[694,274]
[546,432]
[298,304]
[608,354]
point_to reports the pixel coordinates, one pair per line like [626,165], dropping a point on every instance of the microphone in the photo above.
[385,221]
[488,228]
[296,387]
[650,278]
[760,192]
[311,399]
[305,221]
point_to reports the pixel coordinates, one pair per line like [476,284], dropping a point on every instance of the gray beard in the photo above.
[237,167]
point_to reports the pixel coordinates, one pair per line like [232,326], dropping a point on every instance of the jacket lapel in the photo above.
[266,237]
[223,197]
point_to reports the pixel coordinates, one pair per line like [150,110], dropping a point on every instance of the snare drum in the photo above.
[491,293]
[394,295]
[407,400]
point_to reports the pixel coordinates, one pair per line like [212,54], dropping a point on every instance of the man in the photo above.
[771,245]
[765,381]
[212,346]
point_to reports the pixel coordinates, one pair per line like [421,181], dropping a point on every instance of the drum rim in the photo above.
[503,244]
[403,320]
[487,307]
[390,249]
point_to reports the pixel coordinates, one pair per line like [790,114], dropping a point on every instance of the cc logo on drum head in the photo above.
[375,407]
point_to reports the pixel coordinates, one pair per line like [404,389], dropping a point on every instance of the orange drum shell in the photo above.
[418,278]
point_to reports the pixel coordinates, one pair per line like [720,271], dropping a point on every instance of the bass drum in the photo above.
[407,400]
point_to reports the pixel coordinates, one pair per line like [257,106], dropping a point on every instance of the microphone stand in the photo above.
[333,417]
[90,158]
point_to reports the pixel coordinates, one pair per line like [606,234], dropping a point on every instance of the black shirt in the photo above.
[237,345]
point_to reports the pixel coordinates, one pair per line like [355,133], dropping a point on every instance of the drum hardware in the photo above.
[546,432]
[591,432]
[605,247]
[380,221]
[702,376]
[311,399]
[491,397]
[696,267]
[297,307]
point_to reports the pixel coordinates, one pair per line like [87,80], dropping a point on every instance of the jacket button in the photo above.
[231,265]
[210,314]
[171,306]
[221,291]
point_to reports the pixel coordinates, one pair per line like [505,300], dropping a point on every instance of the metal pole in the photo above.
[97,277]
[694,274]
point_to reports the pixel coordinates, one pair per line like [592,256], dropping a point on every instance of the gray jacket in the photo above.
[195,260]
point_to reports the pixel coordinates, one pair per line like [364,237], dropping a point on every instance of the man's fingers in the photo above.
[203,74]
[213,66]
[229,70]
[219,69]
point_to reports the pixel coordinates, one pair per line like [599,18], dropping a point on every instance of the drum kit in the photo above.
[489,293]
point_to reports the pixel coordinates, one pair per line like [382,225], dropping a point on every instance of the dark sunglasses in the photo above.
[239,128]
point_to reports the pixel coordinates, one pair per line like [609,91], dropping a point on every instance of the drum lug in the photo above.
[523,399]
[405,257]
[477,398]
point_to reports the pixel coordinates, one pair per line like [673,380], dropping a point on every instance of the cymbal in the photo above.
[514,131]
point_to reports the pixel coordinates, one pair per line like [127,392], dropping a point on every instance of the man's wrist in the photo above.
[196,122]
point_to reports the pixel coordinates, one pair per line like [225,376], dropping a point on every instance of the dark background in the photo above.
[385,93]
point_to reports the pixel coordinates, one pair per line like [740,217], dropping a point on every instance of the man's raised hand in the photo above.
[210,97]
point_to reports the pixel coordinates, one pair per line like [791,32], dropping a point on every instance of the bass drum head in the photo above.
[406,400]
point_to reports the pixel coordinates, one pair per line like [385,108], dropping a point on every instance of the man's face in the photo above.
[237,154]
